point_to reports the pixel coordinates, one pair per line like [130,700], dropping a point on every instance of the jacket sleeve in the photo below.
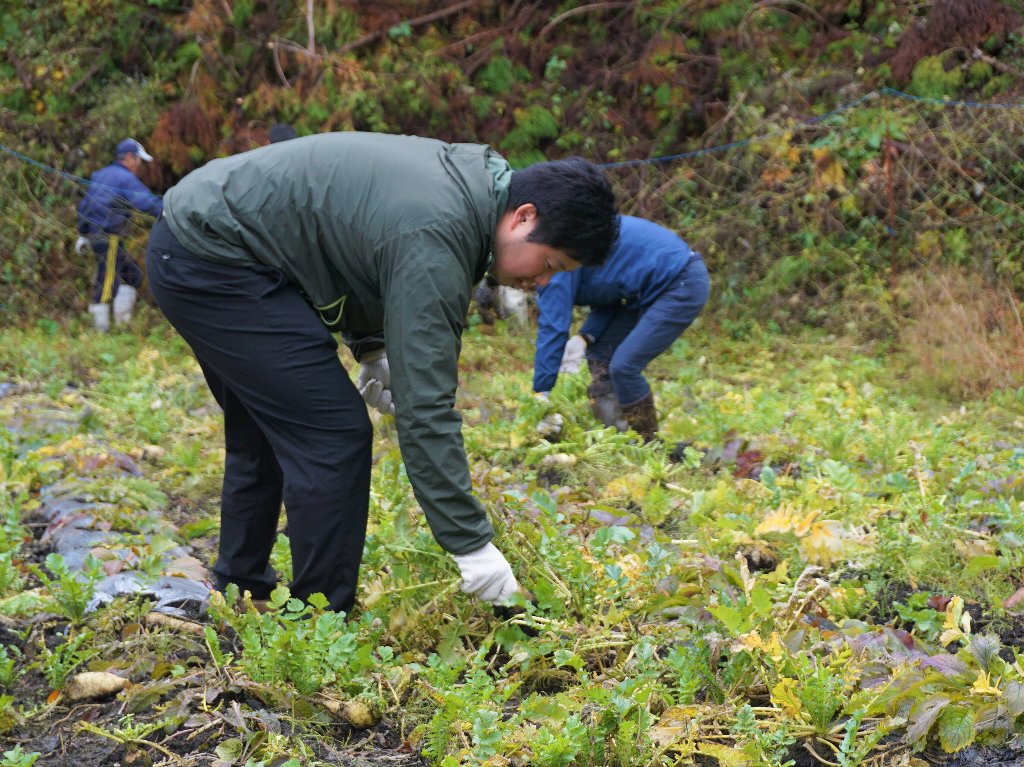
[361,334]
[426,289]
[139,197]
[555,302]
[598,320]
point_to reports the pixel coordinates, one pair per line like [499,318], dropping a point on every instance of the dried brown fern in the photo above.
[966,336]
[951,24]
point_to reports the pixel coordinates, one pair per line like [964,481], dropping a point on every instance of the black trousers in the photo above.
[295,427]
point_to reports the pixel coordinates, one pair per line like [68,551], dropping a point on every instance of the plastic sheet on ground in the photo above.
[181,597]
[118,535]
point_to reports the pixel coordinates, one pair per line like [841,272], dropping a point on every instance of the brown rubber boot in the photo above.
[642,417]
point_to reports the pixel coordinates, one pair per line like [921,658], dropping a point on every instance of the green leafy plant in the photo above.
[58,663]
[767,745]
[18,757]
[9,672]
[918,613]
[128,731]
[303,644]
[70,590]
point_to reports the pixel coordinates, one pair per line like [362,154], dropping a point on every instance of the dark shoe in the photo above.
[642,417]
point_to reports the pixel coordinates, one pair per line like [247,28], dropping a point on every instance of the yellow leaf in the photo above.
[825,542]
[750,641]
[784,696]
[675,724]
[954,609]
[748,488]
[73,445]
[632,486]
[982,686]
[954,622]
[782,520]
[975,547]
[632,566]
[949,635]
[803,525]
[831,177]
[727,756]
[774,648]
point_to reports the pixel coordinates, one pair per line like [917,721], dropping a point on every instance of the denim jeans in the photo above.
[635,337]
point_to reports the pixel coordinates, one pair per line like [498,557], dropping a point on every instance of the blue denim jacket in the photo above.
[646,261]
[114,191]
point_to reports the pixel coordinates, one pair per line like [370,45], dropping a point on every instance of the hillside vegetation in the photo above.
[803,207]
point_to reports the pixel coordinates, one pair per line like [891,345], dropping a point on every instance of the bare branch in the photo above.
[277,66]
[576,12]
[87,76]
[419,21]
[310,29]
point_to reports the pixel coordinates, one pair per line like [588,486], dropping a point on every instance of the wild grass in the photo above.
[966,336]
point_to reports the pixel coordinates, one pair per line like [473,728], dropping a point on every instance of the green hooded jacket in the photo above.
[386,236]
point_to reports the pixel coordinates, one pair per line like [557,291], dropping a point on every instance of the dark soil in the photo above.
[798,753]
[60,745]
[1009,628]
[1010,755]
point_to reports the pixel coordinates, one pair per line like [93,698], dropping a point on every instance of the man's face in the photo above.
[522,264]
[132,162]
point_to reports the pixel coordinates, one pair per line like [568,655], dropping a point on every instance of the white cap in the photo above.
[131,146]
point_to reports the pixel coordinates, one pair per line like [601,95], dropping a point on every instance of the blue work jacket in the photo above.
[113,193]
[646,261]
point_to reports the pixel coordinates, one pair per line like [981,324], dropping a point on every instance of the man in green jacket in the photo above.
[259,256]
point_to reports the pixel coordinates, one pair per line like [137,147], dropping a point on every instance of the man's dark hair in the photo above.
[282,132]
[576,210]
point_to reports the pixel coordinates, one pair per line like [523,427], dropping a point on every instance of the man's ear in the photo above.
[524,214]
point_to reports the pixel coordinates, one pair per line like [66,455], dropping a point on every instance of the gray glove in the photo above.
[550,426]
[572,356]
[81,244]
[374,382]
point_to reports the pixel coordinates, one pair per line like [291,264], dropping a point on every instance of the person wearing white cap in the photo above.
[103,216]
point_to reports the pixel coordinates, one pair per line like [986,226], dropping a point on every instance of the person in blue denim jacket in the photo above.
[650,290]
[104,215]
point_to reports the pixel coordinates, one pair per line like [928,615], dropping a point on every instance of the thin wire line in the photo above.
[654,160]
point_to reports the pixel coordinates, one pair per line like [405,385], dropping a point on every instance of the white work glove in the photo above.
[374,382]
[487,575]
[572,357]
[80,245]
[550,426]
